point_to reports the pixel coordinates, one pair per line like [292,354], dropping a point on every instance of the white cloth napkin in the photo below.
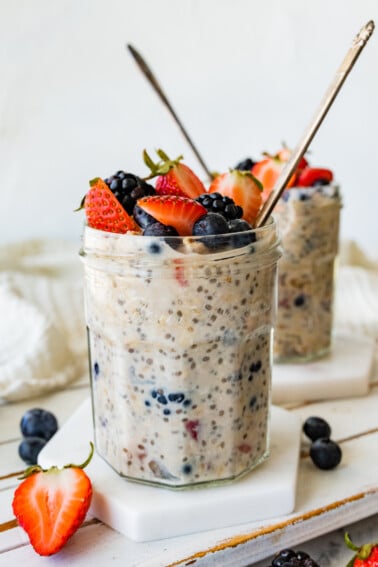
[42,328]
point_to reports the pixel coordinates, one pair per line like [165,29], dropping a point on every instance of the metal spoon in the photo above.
[354,51]
[155,84]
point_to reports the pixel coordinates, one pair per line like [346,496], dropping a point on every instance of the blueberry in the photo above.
[299,300]
[177,397]
[321,182]
[38,422]
[187,469]
[159,229]
[316,427]
[142,218]
[325,453]
[245,164]
[29,449]
[208,225]
[96,369]
[238,226]
[162,399]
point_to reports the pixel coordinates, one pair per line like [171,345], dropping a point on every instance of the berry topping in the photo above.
[103,210]
[217,203]
[50,505]
[29,449]
[312,176]
[174,177]
[239,240]
[267,172]
[142,218]
[172,210]
[243,188]
[325,453]
[128,188]
[316,427]
[38,422]
[245,164]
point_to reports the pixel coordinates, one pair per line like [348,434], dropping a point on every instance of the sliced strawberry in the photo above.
[243,188]
[172,210]
[50,505]
[104,211]
[174,177]
[267,172]
[314,175]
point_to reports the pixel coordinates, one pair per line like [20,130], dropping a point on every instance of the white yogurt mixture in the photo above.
[180,347]
[308,219]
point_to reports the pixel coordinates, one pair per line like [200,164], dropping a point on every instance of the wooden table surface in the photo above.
[349,495]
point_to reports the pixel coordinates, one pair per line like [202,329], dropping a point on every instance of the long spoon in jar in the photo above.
[354,51]
[156,86]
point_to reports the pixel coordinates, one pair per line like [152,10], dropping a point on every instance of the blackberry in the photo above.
[245,164]
[217,203]
[291,558]
[128,188]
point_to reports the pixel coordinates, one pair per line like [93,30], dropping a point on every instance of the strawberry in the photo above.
[267,172]
[50,505]
[104,211]
[243,188]
[173,210]
[314,175]
[366,556]
[174,178]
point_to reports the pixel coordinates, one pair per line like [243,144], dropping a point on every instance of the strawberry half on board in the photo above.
[173,210]
[50,505]
[243,188]
[104,211]
[173,177]
[366,555]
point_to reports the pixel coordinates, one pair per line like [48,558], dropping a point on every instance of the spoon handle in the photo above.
[156,86]
[351,57]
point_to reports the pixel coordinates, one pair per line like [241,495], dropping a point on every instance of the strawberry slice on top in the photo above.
[173,210]
[311,176]
[173,177]
[104,211]
[50,505]
[243,188]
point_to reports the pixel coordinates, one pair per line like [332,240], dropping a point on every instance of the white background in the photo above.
[243,75]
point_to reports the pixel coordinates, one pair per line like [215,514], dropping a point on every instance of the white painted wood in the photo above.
[345,372]
[136,510]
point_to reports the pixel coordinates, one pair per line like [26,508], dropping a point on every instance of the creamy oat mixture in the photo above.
[180,353]
[308,219]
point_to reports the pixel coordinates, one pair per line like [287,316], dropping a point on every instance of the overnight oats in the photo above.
[308,216]
[180,316]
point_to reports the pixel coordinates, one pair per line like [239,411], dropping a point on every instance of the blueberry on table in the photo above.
[316,427]
[40,423]
[29,449]
[325,453]
[291,558]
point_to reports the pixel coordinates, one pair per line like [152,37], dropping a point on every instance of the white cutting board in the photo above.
[344,373]
[146,513]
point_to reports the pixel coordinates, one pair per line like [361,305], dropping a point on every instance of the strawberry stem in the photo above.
[161,167]
[37,468]
[86,462]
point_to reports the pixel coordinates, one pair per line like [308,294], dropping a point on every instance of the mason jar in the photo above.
[180,349]
[308,220]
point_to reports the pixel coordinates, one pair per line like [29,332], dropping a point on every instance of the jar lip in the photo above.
[262,240]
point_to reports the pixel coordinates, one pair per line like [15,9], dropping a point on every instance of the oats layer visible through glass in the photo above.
[308,219]
[180,355]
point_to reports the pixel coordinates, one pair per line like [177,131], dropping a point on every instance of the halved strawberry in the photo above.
[174,177]
[243,188]
[50,505]
[173,210]
[104,211]
[314,175]
[267,172]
